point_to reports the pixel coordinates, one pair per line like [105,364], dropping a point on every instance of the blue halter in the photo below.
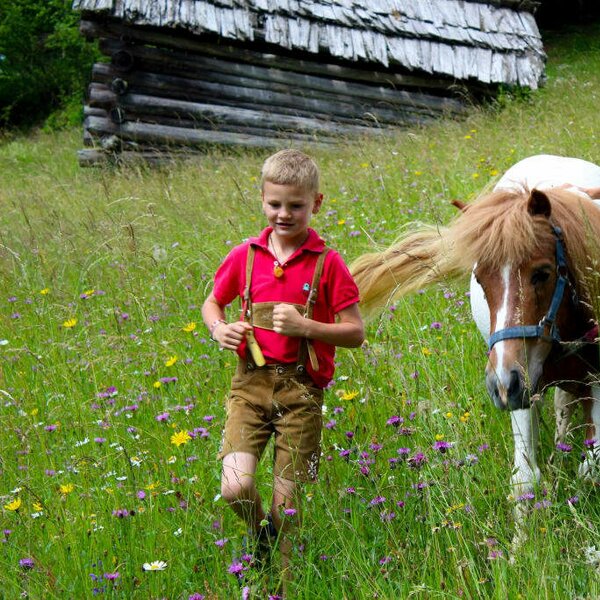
[547,322]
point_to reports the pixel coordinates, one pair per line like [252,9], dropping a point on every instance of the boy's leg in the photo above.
[238,488]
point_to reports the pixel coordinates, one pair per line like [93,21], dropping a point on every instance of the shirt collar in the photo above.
[313,243]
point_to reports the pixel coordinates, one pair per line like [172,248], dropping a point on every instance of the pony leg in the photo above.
[564,405]
[590,467]
[525,428]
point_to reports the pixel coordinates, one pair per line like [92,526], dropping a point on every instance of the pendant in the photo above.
[277,270]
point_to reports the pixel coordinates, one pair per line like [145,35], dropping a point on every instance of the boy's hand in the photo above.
[230,335]
[288,321]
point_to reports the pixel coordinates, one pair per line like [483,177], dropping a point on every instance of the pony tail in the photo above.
[416,261]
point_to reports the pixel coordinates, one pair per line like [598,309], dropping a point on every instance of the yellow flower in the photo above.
[364,165]
[171,361]
[89,293]
[475,176]
[14,505]
[465,417]
[342,222]
[45,291]
[70,323]
[439,437]
[418,173]
[449,415]
[156,384]
[37,507]
[494,172]
[66,488]
[349,395]
[34,412]
[425,351]
[189,327]
[467,137]
[180,437]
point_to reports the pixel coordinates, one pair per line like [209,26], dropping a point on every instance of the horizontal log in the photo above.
[168,135]
[274,57]
[92,157]
[90,110]
[196,90]
[214,115]
[161,60]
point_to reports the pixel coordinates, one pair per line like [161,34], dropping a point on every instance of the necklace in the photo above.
[277,263]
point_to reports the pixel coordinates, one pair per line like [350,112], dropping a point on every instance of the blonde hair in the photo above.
[291,167]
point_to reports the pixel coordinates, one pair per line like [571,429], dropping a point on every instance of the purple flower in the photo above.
[564,447]
[417,461]
[526,496]
[385,560]
[111,576]
[26,563]
[330,424]
[589,443]
[220,543]
[377,500]
[162,416]
[236,568]
[442,446]
[196,596]
[436,325]
[395,421]
[573,500]
[141,494]
[289,512]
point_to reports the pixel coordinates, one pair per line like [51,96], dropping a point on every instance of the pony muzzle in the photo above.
[508,391]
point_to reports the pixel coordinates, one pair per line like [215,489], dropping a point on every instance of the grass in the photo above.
[103,270]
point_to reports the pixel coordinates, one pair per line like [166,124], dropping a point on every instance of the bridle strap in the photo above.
[546,329]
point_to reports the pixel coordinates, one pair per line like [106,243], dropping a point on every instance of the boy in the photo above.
[299,303]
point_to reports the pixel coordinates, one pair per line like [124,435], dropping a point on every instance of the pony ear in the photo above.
[462,206]
[538,204]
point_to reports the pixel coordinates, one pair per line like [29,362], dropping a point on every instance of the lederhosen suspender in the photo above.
[260,314]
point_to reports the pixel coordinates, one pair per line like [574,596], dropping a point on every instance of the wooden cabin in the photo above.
[181,74]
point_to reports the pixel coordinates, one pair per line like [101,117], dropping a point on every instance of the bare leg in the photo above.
[238,488]
[285,496]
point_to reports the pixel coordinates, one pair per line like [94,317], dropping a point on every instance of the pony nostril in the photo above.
[514,386]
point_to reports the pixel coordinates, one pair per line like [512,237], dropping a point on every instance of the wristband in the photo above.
[214,325]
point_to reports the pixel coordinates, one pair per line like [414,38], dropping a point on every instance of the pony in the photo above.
[532,249]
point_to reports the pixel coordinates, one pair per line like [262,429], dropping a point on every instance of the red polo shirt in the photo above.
[337,290]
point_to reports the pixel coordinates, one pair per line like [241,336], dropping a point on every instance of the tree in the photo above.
[44,60]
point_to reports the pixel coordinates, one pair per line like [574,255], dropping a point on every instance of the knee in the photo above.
[236,489]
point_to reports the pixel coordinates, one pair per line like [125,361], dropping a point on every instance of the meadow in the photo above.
[112,395]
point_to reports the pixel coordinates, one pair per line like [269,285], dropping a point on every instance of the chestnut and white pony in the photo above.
[532,247]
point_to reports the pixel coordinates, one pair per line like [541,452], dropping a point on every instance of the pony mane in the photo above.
[494,230]
[498,229]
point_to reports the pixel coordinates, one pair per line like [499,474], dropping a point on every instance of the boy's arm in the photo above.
[228,335]
[347,332]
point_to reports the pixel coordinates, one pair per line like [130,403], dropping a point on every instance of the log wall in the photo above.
[161,93]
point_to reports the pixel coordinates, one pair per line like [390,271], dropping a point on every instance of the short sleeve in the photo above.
[230,277]
[342,291]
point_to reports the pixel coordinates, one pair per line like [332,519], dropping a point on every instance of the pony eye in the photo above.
[540,276]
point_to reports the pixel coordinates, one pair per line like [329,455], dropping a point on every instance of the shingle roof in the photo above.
[492,42]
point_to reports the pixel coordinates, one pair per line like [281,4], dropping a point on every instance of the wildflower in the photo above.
[220,543]
[564,447]
[111,576]
[65,489]
[69,323]
[155,565]
[349,395]
[526,496]
[436,325]
[180,437]
[395,421]
[189,327]
[442,446]
[495,554]
[14,505]
[236,568]
[196,596]
[45,291]
[465,417]
[573,500]
[289,512]
[171,361]
[425,351]
[162,417]
[377,500]
[26,563]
